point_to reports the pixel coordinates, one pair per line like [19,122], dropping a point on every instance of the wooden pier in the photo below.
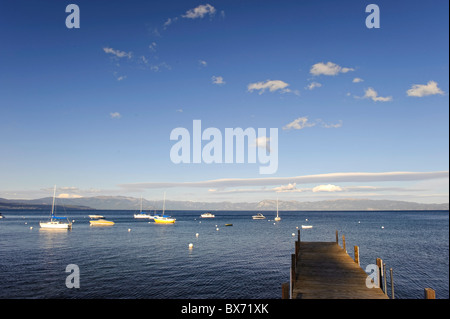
[324,270]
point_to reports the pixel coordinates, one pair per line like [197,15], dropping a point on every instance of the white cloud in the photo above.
[269,84]
[370,93]
[326,125]
[117,53]
[313,85]
[326,188]
[329,68]
[202,63]
[69,196]
[298,124]
[289,188]
[200,11]
[420,90]
[357,80]
[115,115]
[217,80]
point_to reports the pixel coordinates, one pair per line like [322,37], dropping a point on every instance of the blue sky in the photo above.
[91,109]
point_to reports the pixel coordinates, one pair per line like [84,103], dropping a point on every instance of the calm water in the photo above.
[249,260]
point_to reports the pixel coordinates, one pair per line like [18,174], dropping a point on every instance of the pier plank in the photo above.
[325,271]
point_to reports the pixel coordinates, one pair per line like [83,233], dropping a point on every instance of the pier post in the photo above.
[429,293]
[337,237]
[285,290]
[380,274]
[392,284]
[357,255]
[298,235]
[343,243]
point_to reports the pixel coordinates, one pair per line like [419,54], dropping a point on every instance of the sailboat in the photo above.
[163,219]
[278,218]
[142,215]
[56,222]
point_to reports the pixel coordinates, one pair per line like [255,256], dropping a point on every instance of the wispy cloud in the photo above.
[202,63]
[357,80]
[303,122]
[313,85]
[420,90]
[305,179]
[115,115]
[271,85]
[217,80]
[200,11]
[298,124]
[117,53]
[370,93]
[328,68]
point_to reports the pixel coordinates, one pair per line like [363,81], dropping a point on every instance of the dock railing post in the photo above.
[357,255]
[293,273]
[337,237]
[343,243]
[298,235]
[385,280]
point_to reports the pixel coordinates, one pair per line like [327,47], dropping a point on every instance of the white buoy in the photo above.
[306,219]
[196,235]
[191,246]
[31,227]
[217,228]
[296,227]
[129,229]
[382,227]
[293,234]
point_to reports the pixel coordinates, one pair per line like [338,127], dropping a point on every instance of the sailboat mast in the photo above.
[164,203]
[53,204]
[277,206]
[141,204]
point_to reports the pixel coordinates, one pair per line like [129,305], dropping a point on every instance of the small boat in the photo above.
[228,224]
[164,219]
[278,218]
[306,226]
[259,216]
[56,222]
[1,216]
[95,216]
[142,215]
[207,215]
[101,222]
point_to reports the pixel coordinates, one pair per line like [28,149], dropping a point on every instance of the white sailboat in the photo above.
[56,222]
[163,219]
[278,218]
[142,215]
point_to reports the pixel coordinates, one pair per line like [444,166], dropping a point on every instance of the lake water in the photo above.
[250,260]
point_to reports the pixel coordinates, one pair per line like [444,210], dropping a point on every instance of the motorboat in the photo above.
[95,216]
[259,216]
[101,222]
[306,227]
[56,222]
[207,215]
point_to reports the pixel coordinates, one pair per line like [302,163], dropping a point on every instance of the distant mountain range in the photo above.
[131,203]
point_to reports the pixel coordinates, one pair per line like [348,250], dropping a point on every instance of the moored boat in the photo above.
[56,222]
[259,216]
[207,215]
[101,222]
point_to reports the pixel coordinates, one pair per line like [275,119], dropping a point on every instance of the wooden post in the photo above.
[430,293]
[285,290]
[337,237]
[385,281]
[392,284]
[343,243]
[357,255]
[380,272]
[298,235]
[297,249]
[293,273]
